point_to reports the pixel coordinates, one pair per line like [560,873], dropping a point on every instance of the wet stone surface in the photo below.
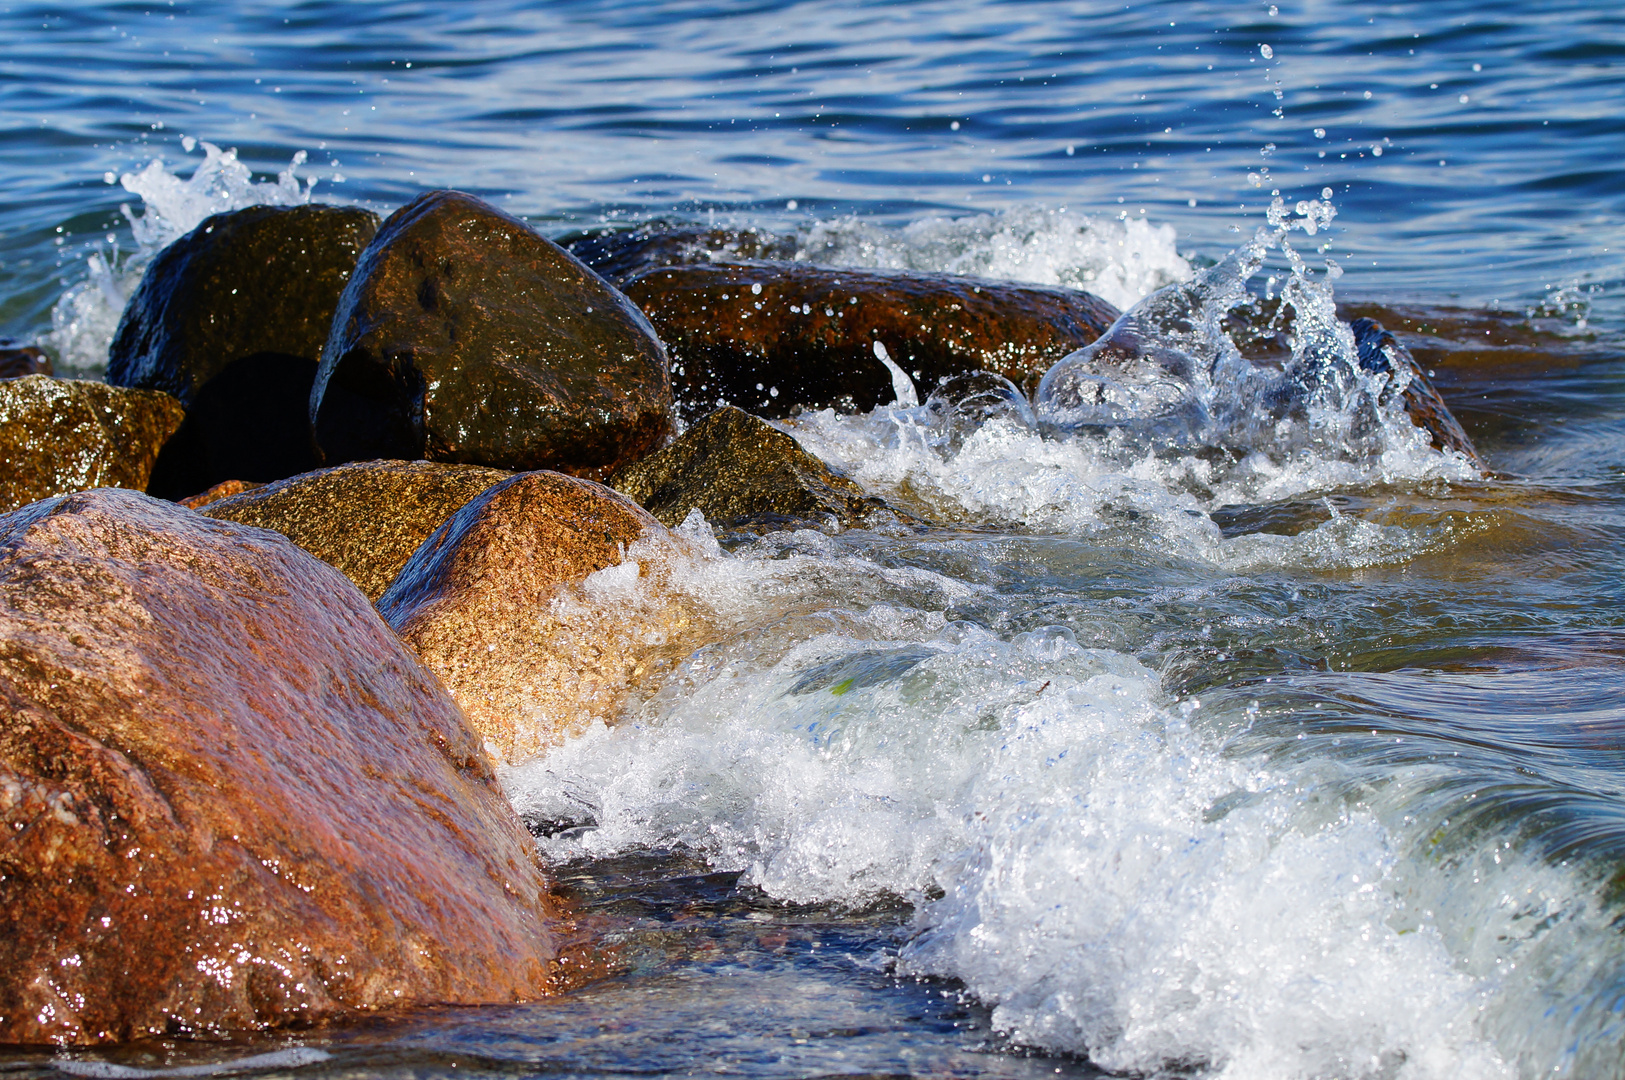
[769,337]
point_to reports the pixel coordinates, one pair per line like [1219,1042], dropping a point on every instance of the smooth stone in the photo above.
[621,254]
[1381,352]
[365,518]
[232,800]
[18,360]
[772,337]
[527,607]
[465,336]
[64,435]
[231,319]
[743,473]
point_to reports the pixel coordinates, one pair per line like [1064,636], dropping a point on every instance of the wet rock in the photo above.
[231,798]
[62,435]
[467,337]
[18,360]
[365,518]
[772,336]
[621,254]
[524,607]
[225,489]
[231,319]
[1381,352]
[743,473]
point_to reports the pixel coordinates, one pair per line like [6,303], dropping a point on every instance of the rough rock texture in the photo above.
[466,337]
[621,254]
[17,360]
[499,603]
[231,319]
[62,435]
[768,337]
[231,799]
[741,472]
[365,518]
[1381,352]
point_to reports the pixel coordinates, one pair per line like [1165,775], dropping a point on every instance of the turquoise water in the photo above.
[1278,754]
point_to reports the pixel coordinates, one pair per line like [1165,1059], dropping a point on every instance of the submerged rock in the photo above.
[18,360]
[231,798]
[231,319]
[527,608]
[769,337]
[467,337]
[743,473]
[365,518]
[1382,353]
[63,435]
[621,254]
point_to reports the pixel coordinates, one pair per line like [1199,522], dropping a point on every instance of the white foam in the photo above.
[87,315]
[1118,260]
[293,1058]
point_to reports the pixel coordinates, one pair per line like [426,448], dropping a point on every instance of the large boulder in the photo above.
[231,798]
[18,360]
[231,319]
[769,337]
[63,435]
[535,605]
[365,518]
[465,336]
[743,473]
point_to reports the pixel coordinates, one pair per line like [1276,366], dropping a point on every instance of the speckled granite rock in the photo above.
[231,319]
[62,435]
[466,337]
[768,337]
[741,472]
[231,798]
[365,518]
[524,607]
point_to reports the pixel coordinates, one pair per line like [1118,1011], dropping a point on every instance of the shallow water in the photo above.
[1277,750]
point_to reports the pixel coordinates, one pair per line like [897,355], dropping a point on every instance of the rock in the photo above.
[225,489]
[231,798]
[743,473]
[231,319]
[17,360]
[365,518]
[769,337]
[524,607]
[467,337]
[621,254]
[1381,352]
[62,435]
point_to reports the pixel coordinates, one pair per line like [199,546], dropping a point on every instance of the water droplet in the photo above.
[1266,52]
[1320,133]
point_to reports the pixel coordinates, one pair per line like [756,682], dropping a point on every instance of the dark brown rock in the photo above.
[62,435]
[365,518]
[231,319]
[768,337]
[621,254]
[743,473]
[524,607]
[467,337]
[1381,352]
[231,798]
[17,360]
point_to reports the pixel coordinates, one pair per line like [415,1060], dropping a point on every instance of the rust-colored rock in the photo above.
[465,336]
[523,606]
[231,799]
[225,489]
[1381,352]
[743,473]
[17,360]
[62,435]
[231,319]
[768,337]
[365,518]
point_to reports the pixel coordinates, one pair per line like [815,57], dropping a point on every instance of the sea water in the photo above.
[1253,746]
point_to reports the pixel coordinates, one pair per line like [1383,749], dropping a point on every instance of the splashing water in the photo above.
[86,317]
